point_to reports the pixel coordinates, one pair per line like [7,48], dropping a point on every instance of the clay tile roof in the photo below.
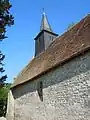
[63,48]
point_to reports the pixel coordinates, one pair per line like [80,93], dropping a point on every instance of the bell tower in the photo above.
[44,37]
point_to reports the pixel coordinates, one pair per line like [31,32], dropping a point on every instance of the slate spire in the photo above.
[45,24]
[44,37]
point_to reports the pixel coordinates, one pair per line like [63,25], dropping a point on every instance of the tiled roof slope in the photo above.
[66,46]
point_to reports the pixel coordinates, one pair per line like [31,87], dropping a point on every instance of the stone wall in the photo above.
[10,107]
[2,118]
[62,94]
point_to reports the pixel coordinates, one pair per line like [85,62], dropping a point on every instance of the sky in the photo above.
[19,46]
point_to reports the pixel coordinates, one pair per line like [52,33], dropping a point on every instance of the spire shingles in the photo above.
[45,24]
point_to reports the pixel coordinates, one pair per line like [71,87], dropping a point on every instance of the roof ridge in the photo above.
[70,45]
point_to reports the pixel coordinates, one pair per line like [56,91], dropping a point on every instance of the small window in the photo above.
[51,38]
[40,90]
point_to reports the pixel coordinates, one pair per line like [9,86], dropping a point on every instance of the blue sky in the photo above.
[19,46]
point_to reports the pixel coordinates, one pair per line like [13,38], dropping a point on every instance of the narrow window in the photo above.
[40,90]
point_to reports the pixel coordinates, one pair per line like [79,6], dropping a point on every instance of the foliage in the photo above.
[6,19]
[3,98]
[2,78]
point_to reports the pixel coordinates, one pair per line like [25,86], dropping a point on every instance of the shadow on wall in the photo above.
[64,72]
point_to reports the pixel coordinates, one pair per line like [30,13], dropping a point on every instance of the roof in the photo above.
[63,48]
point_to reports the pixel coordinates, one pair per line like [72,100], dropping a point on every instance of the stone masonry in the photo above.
[65,94]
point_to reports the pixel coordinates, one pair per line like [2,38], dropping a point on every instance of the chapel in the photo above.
[55,85]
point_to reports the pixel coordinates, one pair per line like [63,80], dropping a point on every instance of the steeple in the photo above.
[44,37]
[45,24]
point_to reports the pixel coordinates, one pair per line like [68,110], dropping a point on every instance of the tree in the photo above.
[2,78]
[3,98]
[6,19]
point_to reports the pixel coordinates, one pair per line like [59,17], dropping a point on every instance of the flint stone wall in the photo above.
[64,93]
[2,118]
